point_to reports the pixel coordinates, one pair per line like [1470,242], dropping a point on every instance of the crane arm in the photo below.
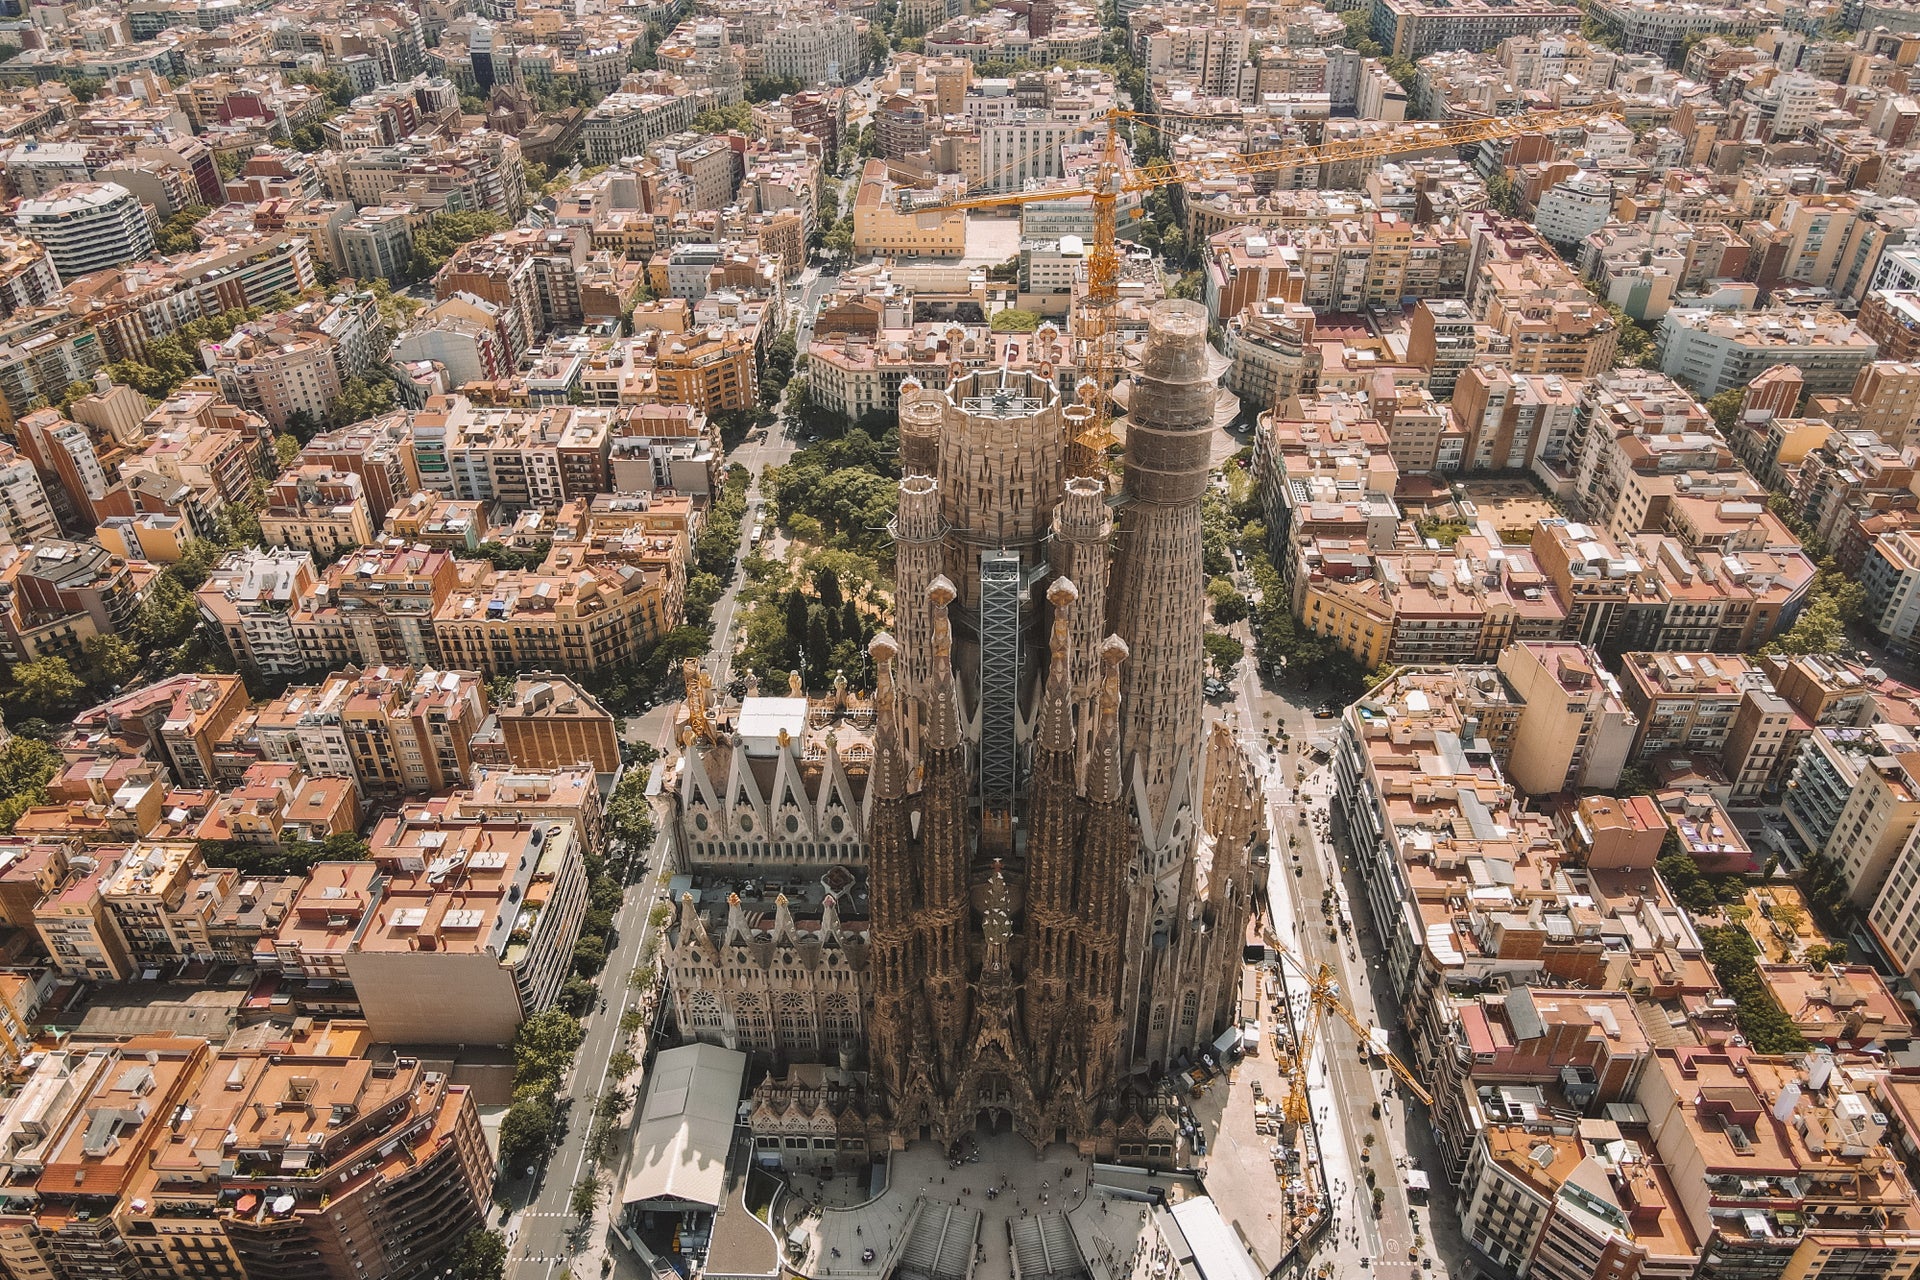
[1361,1029]
[1415,136]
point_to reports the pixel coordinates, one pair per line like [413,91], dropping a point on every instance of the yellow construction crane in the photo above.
[1323,995]
[1112,178]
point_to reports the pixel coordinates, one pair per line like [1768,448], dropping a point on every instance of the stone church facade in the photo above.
[1026,862]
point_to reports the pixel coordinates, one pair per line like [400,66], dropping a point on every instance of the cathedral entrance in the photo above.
[992,1120]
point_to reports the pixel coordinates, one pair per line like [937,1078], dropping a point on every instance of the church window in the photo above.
[1189,1012]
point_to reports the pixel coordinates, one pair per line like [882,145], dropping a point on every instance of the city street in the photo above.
[547,1229]
[546,1226]
[771,448]
[1343,1086]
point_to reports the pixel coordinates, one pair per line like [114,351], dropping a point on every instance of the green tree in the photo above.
[1732,951]
[109,660]
[629,813]
[780,357]
[1359,34]
[480,1255]
[525,1132]
[544,1046]
[26,766]
[585,1195]
[772,88]
[1819,955]
[167,616]
[47,684]
[735,116]
[1223,652]
[1013,320]
[436,242]
[1503,195]
[308,138]
[1834,601]
[177,234]
[1725,408]
[1403,72]
[84,88]
[364,397]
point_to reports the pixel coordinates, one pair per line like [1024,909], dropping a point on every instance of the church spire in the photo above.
[943,695]
[1103,784]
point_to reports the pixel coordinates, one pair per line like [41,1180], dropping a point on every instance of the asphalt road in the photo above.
[1402,1130]
[547,1224]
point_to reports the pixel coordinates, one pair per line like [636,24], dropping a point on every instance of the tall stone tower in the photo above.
[1060,859]
[1158,568]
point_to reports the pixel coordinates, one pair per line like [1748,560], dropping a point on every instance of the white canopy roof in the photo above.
[685,1127]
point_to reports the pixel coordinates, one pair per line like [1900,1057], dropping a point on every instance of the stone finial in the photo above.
[941,594]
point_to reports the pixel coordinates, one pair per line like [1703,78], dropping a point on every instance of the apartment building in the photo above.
[86,226]
[297,361]
[1420,786]
[379,452]
[275,803]
[583,620]
[1852,797]
[249,598]
[65,592]
[1412,29]
[162,897]
[135,305]
[900,221]
[478,170]
[395,730]
[1541,1201]
[443,523]
[376,606]
[79,931]
[1887,397]
[1890,572]
[1576,731]
[1721,1113]
[178,721]
[1328,475]
[402,1179]
[474,931]
[549,722]
[1685,703]
[1507,421]
[513,458]
[1646,27]
[622,124]
[333,908]
[316,509]
[1273,355]
[26,513]
[1711,351]
[536,270]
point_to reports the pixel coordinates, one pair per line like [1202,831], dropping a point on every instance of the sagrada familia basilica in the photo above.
[1012,887]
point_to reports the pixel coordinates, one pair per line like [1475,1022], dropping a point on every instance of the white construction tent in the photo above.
[684,1132]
